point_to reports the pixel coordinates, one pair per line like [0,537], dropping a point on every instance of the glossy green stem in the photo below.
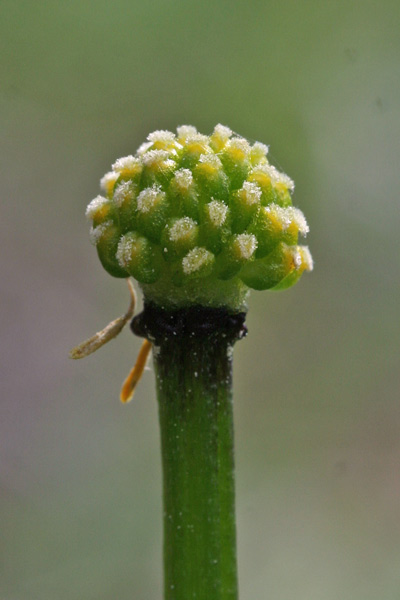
[194,388]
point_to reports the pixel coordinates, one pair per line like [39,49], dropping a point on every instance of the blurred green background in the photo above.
[317,406]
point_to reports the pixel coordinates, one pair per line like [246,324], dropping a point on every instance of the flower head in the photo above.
[199,219]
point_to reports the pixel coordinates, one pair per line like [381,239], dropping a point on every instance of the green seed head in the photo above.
[199,219]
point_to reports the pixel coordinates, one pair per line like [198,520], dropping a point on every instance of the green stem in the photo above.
[194,386]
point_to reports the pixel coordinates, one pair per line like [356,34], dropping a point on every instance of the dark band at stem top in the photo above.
[159,325]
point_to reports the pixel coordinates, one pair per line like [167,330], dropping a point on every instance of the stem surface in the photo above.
[193,364]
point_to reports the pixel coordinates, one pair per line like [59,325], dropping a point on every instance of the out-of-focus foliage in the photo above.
[316,380]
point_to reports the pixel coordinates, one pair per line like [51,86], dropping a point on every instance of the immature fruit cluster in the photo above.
[199,219]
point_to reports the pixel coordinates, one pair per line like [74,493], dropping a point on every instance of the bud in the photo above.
[199,219]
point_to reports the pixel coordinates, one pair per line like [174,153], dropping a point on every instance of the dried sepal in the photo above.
[109,332]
